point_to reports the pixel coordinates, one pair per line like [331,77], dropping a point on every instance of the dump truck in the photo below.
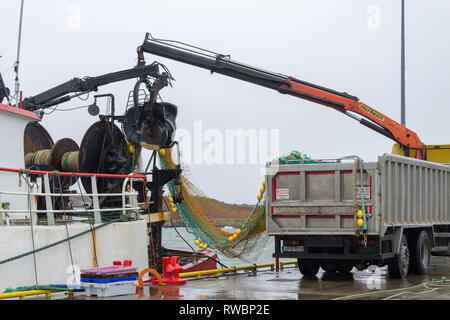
[312,211]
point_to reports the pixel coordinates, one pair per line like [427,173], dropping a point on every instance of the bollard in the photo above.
[171,271]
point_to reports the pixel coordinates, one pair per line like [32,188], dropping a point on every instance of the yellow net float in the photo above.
[360,222]
[359,214]
[194,209]
[162,152]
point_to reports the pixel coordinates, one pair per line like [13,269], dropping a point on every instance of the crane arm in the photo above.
[340,101]
[60,93]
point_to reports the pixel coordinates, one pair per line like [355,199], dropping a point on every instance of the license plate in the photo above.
[293,248]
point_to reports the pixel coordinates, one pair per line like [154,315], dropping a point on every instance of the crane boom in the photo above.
[150,123]
[60,93]
[340,101]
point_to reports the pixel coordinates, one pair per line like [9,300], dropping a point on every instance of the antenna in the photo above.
[16,65]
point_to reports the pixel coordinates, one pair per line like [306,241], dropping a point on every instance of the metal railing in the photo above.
[255,267]
[143,97]
[127,207]
[22,294]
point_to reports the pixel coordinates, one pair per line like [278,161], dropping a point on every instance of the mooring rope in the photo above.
[32,231]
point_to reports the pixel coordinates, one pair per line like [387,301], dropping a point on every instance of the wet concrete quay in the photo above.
[289,284]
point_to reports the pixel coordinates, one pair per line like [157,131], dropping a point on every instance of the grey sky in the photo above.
[326,42]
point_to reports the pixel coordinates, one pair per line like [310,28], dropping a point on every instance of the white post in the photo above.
[4,212]
[48,201]
[124,201]
[1,211]
[134,202]
[97,214]
[32,201]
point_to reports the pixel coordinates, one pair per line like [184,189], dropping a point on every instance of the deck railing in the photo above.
[129,203]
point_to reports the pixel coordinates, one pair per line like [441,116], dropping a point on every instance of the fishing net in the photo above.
[196,206]
[296,157]
[247,243]
[37,287]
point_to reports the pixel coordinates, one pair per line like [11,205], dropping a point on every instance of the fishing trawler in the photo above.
[48,233]
[67,207]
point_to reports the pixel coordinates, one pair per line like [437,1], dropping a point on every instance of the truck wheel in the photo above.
[328,266]
[308,267]
[420,254]
[344,268]
[399,265]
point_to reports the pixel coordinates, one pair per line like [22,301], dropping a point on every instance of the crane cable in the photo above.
[31,225]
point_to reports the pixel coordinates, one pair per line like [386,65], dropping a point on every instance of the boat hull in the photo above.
[208,262]
[116,241]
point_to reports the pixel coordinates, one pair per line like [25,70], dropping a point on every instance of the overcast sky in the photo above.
[346,45]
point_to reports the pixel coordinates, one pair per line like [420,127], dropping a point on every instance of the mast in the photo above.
[16,65]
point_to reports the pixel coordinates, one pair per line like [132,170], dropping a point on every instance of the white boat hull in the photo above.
[116,241]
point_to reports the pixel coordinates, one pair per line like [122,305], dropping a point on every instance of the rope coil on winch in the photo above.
[69,161]
[38,157]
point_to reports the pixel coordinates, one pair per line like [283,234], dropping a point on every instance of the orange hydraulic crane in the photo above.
[340,101]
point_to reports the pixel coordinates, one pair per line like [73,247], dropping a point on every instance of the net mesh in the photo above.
[193,210]
[247,243]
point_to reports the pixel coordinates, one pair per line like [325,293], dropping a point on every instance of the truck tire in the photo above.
[399,265]
[308,267]
[420,253]
[333,267]
[328,266]
[344,268]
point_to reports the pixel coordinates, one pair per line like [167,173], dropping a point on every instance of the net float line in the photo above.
[246,243]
